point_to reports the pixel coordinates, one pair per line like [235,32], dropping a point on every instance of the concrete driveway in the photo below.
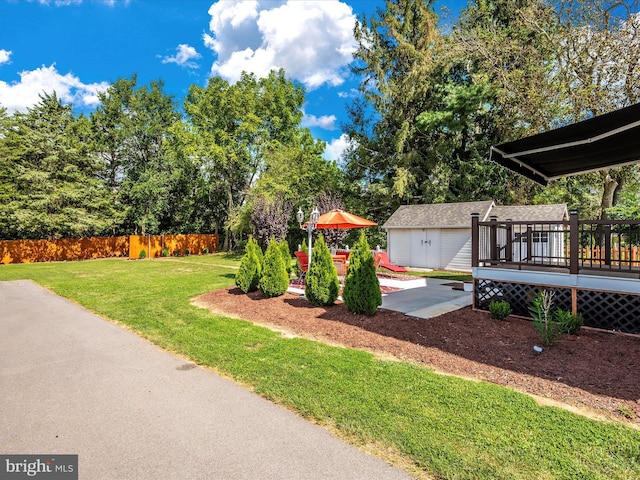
[73,383]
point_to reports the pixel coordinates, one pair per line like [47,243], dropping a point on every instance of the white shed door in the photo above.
[400,246]
[425,248]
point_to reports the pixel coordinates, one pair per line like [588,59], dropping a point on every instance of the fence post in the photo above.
[574,242]
[475,240]
[493,239]
[509,245]
[607,244]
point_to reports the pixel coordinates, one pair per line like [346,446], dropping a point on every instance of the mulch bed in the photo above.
[596,372]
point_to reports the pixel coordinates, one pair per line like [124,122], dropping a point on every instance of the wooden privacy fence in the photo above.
[175,244]
[618,255]
[28,251]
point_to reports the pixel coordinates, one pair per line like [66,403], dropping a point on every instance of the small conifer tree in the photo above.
[361,293]
[286,256]
[248,275]
[322,285]
[275,279]
[253,244]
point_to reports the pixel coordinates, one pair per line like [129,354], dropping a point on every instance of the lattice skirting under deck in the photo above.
[606,310]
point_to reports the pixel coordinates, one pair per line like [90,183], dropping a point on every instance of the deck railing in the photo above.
[573,245]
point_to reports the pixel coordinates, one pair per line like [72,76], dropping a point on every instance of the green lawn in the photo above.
[443,426]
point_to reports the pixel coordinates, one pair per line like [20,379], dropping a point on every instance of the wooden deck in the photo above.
[592,266]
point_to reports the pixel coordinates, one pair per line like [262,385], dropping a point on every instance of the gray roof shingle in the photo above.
[452,215]
[535,213]
[458,215]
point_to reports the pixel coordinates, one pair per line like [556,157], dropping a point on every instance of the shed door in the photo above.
[400,246]
[425,248]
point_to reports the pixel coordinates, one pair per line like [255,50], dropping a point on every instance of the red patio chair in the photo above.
[340,262]
[303,260]
[381,259]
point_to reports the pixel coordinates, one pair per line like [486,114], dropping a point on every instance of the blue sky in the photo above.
[77,47]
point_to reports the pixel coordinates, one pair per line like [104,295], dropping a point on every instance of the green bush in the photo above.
[248,275]
[165,252]
[205,250]
[286,256]
[255,247]
[142,254]
[361,292]
[322,285]
[569,323]
[551,325]
[275,279]
[500,309]
[187,252]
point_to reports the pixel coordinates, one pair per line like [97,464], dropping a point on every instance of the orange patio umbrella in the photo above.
[336,219]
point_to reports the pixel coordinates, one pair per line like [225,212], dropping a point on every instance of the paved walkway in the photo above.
[73,383]
[434,299]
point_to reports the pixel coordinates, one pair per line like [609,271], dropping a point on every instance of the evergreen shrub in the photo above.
[248,275]
[322,286]
[275,279]
[142,254]
[361,293]
[286,256]
[500,309]
[569,323]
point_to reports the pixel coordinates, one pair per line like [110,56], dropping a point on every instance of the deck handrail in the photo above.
[571,244]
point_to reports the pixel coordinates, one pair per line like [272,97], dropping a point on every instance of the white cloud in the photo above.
[18,96]
[66,3]
[4,56]
[312,40]
[352,93]
[326,122]
[185,53]
[336,147]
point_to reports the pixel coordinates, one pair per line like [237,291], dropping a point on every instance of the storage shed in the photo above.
[438,235]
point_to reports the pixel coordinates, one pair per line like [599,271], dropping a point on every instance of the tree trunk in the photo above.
[227,238]
[610,185]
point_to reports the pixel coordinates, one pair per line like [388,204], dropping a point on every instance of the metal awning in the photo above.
[609,140]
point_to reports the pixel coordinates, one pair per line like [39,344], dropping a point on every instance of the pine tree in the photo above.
[361,292]
[275,279]
[322,285]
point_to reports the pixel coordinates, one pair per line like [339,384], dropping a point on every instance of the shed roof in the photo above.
[535,213]
[458,215]
[447,215]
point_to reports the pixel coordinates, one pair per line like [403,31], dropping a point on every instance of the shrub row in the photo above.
[270,273]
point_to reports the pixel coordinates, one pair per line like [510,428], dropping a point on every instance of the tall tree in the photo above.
[248,135]
[52,189]
[387,155]
[132,129]
[422,128]
[598,62]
